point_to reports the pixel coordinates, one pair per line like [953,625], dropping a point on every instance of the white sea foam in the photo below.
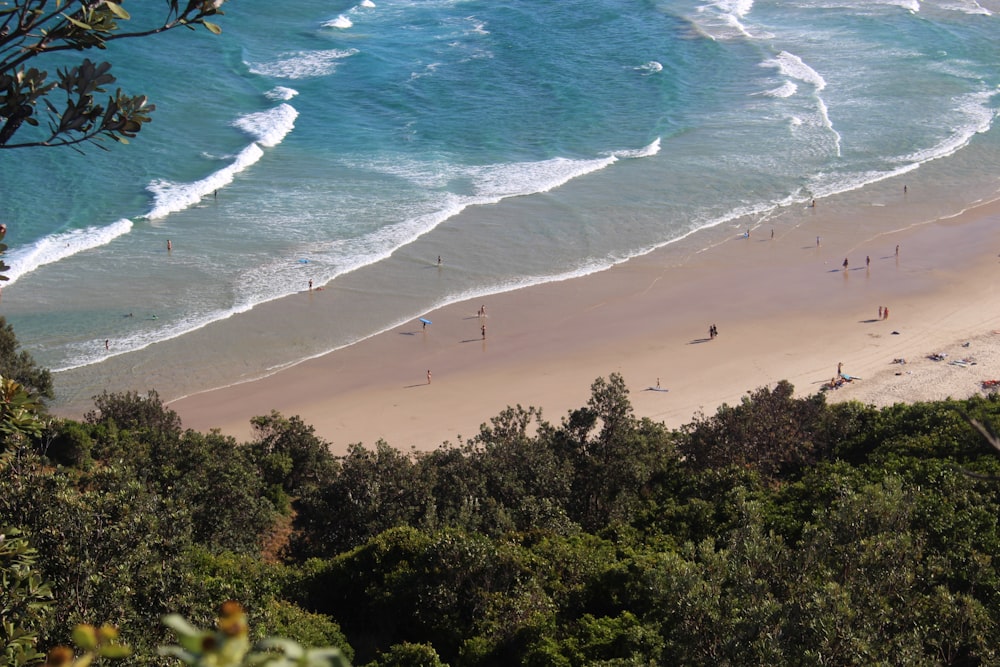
[723,19]
[978,116]
[827,123]
[266,128]
[269,128]
[281,93]
[59,246]
[967,7]
[652,67]
[302,64]
[367,3]
[646,151]
[787,89]
[793,67]
[341,22]
[171,197]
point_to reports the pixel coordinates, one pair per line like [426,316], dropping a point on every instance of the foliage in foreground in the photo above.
[33,29]
[778,531]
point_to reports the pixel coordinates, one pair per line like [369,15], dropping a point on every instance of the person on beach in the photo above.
[310,286]
[425,324]
[484,331]
[482,310]
[772,232]
[885,313]
[817,241]
[840,368]
[880,312]
[868,261]
[897,251]
[107,343]
[439,260]
[845,264]
[428,376]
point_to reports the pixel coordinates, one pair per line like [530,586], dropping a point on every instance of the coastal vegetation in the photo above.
[30,30]
[780,530]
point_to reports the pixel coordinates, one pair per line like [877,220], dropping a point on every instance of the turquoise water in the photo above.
[351,144]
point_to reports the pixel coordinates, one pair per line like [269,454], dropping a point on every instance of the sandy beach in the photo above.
[784,307]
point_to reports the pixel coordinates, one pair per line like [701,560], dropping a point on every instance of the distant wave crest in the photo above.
[269,128]
[302,64]
[341,22]
[723,19]
[281,93]
[651,67]
[55,247]
[787,89]
[793,67]
[266,128]
[171,197]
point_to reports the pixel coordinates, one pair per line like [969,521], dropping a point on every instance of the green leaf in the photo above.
[78,24]
[213,28]
[118,10]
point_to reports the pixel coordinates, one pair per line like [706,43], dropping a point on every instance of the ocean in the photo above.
[351,145]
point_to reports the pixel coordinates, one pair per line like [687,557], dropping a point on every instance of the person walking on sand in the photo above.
[885,313]
[845,264]
[482,310]
[880,312]
[484,331]
[310,286]
[428,376]
[817,241]
[897,251]
[868,261]
[439,260]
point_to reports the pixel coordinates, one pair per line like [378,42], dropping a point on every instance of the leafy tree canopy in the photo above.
[69,103]
[18,365]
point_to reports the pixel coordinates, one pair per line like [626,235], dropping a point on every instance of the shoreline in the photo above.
[784,307]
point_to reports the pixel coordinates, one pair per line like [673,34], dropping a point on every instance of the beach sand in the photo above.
[784,307]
